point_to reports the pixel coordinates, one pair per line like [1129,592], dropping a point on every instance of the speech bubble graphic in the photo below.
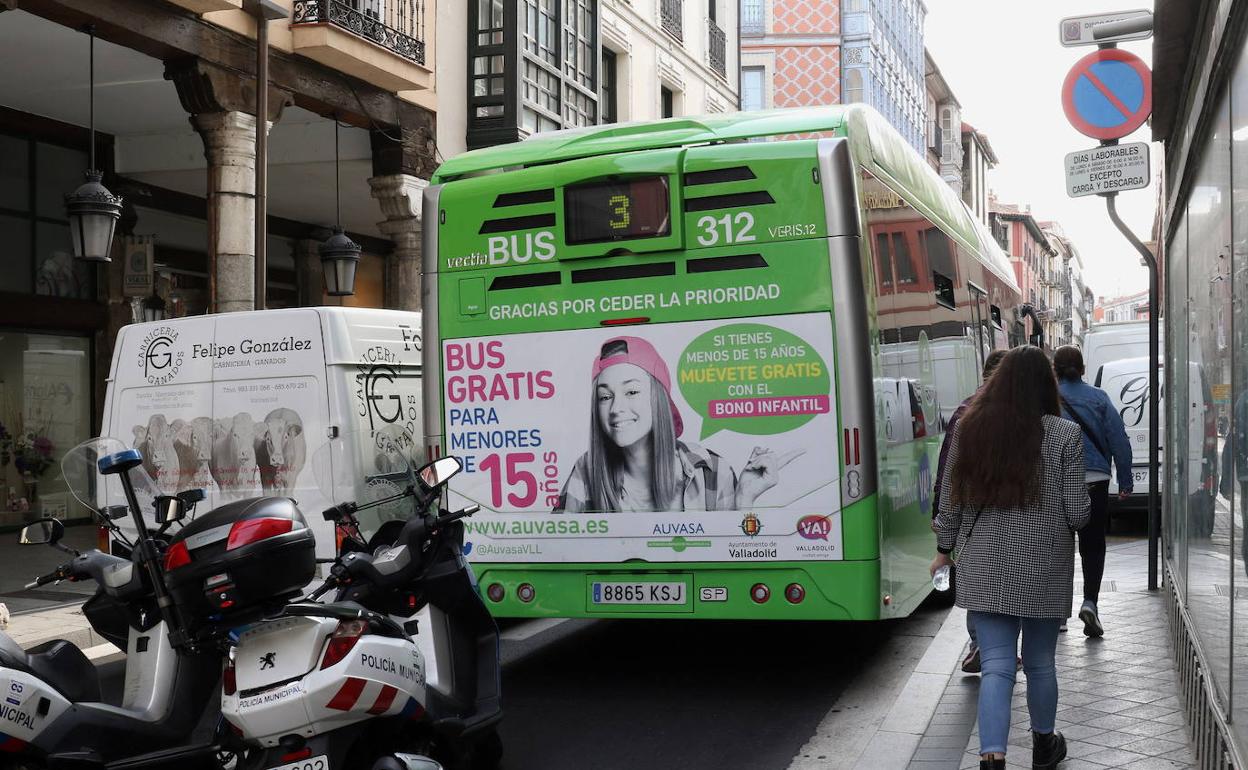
[754,379]
[814,527]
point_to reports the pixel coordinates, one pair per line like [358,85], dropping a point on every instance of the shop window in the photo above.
[45,410]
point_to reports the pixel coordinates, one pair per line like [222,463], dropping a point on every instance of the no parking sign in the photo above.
[1108,94]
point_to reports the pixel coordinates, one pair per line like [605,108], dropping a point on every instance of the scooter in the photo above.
[51,715]
[361,682]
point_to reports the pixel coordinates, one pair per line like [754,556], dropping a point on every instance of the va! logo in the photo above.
[159,359]
[814,527]
[750,525]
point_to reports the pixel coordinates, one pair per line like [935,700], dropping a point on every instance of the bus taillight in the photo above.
[794,593]
[760,593]
[525,592]
[495,592]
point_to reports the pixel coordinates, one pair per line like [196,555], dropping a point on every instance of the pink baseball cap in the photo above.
[638,352]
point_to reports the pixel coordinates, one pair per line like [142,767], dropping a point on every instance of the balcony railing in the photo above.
[672,17]
[717,48]
[398,25]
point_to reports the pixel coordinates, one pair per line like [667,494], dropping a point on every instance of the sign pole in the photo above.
[1154,388]
[1107,95]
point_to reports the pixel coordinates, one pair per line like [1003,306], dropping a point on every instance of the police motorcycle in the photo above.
[52,715]
[401,666]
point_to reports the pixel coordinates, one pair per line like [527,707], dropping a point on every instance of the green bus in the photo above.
[701,367]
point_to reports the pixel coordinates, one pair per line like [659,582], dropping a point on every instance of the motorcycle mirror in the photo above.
[439,471]
[192,496]
[42,532]
[169,508]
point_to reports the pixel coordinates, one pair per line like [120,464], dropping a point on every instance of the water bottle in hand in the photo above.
[941,578]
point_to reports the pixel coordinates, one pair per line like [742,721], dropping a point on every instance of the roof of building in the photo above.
[982,139]
[935,81]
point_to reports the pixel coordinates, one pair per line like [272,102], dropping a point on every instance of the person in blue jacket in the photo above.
[1104,440]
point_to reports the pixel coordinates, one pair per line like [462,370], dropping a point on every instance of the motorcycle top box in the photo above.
[241,560]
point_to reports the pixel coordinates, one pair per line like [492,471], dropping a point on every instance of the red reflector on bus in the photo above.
[625,321]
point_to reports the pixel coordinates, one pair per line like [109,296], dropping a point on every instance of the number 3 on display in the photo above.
[711,227]
[620,207]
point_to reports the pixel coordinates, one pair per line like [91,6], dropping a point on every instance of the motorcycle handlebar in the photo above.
[56,575]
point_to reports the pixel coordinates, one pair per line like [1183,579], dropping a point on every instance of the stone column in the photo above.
[230,147]
[399,196]
[309,278]
[220,103]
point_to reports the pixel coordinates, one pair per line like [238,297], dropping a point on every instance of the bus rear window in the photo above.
[617,210]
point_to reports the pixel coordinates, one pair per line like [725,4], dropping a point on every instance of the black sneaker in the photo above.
[971,663]
[1091,621]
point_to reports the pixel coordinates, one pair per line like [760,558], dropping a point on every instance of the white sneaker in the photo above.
[1091,621]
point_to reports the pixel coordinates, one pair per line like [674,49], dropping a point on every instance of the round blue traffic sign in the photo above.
[1108,94]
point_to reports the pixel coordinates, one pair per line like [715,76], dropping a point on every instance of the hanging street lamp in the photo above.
[340,255]
[92,210]
[339,258]
[154,307]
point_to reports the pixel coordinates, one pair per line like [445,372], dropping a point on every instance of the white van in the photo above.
[238,404]
[1114,341]
[1126,382]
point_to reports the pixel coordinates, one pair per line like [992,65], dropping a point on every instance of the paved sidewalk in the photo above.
[1118,699]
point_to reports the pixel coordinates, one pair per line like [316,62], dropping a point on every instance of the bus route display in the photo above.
[617,210]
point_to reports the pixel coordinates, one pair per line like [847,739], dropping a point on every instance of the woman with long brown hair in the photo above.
[1010,506]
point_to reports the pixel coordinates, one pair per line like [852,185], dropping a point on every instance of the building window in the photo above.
[666,100]
[752,89]
[752,17]
[534,67]
[853,86]
[608,91]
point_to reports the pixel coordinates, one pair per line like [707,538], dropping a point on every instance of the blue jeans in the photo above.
[998,641]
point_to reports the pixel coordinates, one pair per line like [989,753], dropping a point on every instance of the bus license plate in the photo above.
[637,593]
[320,762]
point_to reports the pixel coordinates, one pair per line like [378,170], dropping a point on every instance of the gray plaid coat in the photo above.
[1020,561]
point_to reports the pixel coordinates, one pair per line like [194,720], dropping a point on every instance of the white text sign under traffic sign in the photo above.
[1107,169]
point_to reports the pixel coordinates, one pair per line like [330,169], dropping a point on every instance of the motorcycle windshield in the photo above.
[364,466]
[100,492]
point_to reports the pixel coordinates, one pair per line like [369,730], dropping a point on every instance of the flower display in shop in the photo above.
[32,453]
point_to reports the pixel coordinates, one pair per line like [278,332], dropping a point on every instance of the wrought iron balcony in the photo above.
[717,48]
[397,25]
[672,17]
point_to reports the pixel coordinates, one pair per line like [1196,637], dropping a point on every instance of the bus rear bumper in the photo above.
[848,590]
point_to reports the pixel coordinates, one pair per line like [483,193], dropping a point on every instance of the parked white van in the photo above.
[1114,341]
[238,404]
[1126,382]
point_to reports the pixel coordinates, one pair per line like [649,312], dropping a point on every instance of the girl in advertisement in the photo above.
[636,461]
